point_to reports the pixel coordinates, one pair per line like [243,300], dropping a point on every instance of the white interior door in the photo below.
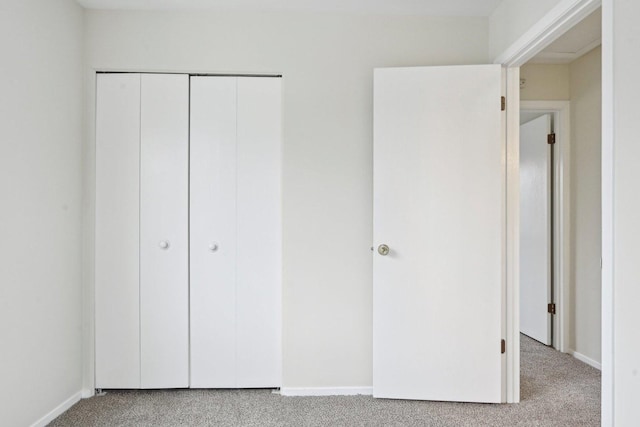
[164,262]
[535,229]
[235,232]
[439,206]
[117,266]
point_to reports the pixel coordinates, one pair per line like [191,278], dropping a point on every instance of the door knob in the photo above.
[164,244]
[213,247]
[383,250]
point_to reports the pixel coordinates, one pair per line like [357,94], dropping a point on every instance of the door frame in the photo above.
[561,112]
[556,22]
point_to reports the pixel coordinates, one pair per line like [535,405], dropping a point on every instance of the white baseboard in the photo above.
[58,410]
[585,359]
[88,392]
[326,391]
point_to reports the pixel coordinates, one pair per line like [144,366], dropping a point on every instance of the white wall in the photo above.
[327,61]
[512,18]
[586,219]
[40,220]
[621,210]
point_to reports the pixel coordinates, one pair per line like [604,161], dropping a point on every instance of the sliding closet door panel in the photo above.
[117,328]
[164,274]
[213,232]
[259,233]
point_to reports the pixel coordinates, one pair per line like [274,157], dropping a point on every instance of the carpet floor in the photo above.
[556,390]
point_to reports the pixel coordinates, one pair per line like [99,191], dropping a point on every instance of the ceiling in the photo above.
[582,38]
[401,7]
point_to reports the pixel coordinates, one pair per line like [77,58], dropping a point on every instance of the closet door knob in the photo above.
[213,247]
[164,244]
[383,250]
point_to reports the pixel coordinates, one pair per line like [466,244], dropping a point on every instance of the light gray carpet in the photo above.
[557,390]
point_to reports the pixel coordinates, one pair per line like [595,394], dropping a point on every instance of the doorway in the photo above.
[537,140]
[556,23]
[545,141]
[564,80]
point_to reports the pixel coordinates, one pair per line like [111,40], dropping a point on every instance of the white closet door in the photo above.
[117,312]
[258,291]
[235,210]
[213,232]
[164,289]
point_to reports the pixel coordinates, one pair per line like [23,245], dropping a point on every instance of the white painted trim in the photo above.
[58,410]
[588,48]
[608,134]
[555,23]
[512,237]
[581,357]
[562,220]
[87,393]
[89,234]
[326,391]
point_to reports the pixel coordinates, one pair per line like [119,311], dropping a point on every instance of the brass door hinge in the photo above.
[551,308]
[503,346]
[503,103]
[551,138]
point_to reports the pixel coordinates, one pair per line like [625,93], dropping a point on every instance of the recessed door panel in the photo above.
[117,267]
[213,232]
[164,266]
[259,232]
